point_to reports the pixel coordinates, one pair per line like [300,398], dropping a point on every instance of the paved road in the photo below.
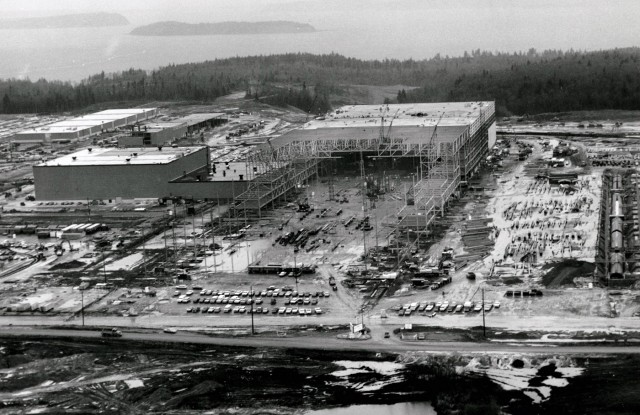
[328,342]
[243,321]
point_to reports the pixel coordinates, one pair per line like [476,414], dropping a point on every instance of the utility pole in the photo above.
[164,236]
[184,228]
[252,304]
[144,252]
[484,328]
[295,268]
[213,242]
[193,234]
[173,235]
[204,243]
[364,207]
[82,305]
[375,224]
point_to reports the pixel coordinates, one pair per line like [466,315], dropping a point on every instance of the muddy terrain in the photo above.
[93,376]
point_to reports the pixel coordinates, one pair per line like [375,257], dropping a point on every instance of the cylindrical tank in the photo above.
[616,206]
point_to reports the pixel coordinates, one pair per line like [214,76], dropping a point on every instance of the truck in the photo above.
[113,332]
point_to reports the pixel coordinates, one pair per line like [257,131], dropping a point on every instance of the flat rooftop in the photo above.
[119,156]
[160,125]
[88,120]
[193,119]
[407,115]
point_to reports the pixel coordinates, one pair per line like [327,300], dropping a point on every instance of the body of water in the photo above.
[365,29]
[403,408]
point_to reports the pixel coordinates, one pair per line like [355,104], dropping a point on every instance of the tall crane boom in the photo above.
[435,129]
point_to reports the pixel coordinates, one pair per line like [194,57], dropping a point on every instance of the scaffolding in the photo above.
[447,154]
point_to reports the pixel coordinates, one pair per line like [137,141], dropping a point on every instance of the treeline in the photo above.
[528,82]
[316,102]
[569,82]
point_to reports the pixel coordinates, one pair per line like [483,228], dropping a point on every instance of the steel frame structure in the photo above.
[443,164]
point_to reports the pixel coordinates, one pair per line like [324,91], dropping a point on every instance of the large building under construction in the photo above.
[446,141]
[443,144]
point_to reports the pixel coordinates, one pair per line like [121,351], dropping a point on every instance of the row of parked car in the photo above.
[247,301]
[444,307]
[291,299]
[286,291]
[239,309]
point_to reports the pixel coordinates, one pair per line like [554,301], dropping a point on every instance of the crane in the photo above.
[386,137]
[435,129]
[273,150]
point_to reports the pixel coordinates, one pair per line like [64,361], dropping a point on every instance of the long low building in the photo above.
[85,126]
[153,134]
[108,173]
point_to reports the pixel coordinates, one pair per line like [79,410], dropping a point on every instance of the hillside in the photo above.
[66,21]
[520,83]
[223,28]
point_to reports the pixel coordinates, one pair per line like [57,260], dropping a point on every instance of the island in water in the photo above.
[66,21]
[171,28]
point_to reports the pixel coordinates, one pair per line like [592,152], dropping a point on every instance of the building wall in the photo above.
[207,190]
[157,137]
[167,135]
[110,182]
[492,135]
[129,141]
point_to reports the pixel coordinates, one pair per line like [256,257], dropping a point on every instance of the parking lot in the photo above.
[432,308]
[282,301]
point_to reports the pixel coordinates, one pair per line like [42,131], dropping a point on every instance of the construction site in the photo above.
[378,214]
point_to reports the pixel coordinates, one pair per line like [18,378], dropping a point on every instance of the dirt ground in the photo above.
[513,199]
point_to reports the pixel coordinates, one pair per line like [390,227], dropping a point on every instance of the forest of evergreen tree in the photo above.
[525,82]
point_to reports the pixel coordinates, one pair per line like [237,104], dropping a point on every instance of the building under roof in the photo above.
[109,156]
[448,141]
[111,173]
[202,120]
[84,126]
[152,133]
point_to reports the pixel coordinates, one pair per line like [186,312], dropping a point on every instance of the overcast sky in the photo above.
[537,13]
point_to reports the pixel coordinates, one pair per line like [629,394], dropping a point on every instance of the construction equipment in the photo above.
[304,206]
[435,130]
[385,137]
[59,249]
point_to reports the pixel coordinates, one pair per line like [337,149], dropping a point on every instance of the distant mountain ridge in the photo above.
[172,28]
[66,21]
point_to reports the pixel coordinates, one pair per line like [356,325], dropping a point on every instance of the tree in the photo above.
[6,104]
